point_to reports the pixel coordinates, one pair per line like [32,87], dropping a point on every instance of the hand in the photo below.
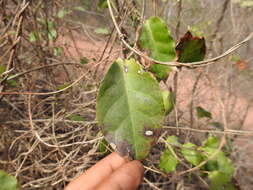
[111,173]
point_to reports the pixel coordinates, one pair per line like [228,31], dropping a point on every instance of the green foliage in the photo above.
[156,39]
[102,146]
[169,101]
[130,108]
[190,49]
[202,113]
[79,8]
[62,13]
[33,37]
[102,4]
[2,69]
[168,162]
[219,169]
[63,86]
[84,60]
[7,182]
[58,51]
[76,117]
[103,31]
[191,154]
[173,140]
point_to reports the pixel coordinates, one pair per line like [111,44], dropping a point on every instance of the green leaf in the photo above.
[2,69]
[156,39]
[58,51]
[84,60]
[169,100]
[168,162]
[130,108]
[61,87]
[102,4]
[190,48]
[103,31]
[102,146]
[220,181]
[173,140]
[75,117]
[7,182]
[191,154]
[201,113]
[12,83]
[52,32]
[235,58]
[211,142]
[79,8]
[32,37]
[62,13]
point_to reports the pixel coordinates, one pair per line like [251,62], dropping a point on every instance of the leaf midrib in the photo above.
[129,108]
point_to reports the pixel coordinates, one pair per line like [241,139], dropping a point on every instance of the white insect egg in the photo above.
[126,69]
[113,146]
[149,133]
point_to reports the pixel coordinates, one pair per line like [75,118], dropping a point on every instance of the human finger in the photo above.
[97,173]
[127,177]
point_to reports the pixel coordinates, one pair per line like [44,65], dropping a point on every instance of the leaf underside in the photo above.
[130,108]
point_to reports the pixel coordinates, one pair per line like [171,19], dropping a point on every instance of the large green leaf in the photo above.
[190,48]
[130,108]
[7,182]
[156,39]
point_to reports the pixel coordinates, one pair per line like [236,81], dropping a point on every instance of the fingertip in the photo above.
[127,177]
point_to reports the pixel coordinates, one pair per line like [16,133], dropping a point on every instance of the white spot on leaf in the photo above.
[126,69]
[149,133]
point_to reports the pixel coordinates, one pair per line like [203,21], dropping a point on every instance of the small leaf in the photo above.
[63,86]
[169,101]
[103,31]
[211,142]
[168,162]
[62,13]
[52,34]
[156,39]
[235,58]
[191,154]
[190,48]
[173,140]
[102,146]
[32,37]
[84,60]
[2,69]
[102,4]
[75,117]
[201,113]
[130,108]
[7,182]
[79,8]
[12,83]
[58,51]
[218,179]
